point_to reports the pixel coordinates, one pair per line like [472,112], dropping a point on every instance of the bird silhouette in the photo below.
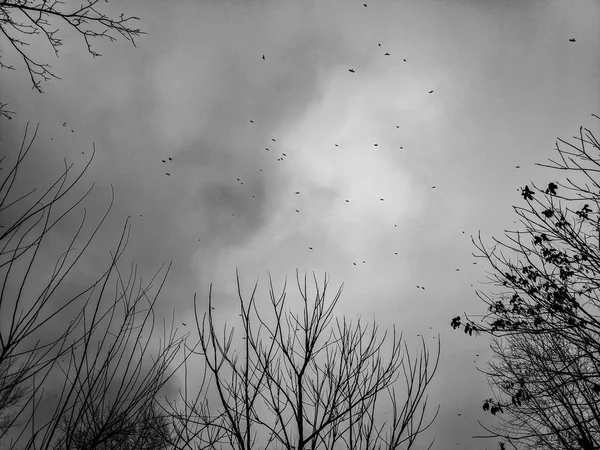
[397,126]
[273,140]
[252,121]
[336,145]
[404,60]
[365,5]
[572,40]
[386,54]
[310,248]
[183,324]
[263,57]
[351,70]
[375,145]
[167,173]
[164,161]
[297,192]
[347,201]
[381,199]
[432,187]
[517,167]
[170,159]
[431,92]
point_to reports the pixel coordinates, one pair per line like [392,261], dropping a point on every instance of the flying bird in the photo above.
[336,145]
[273,140]
[351,70]
[183,324]
[432,187]
[375,145]
[572,40]
[365,5]
[164,161]
[167,173]
[347,201]
[297,192]
[170,159]
[381,199]
[386,54]
[431,92]
[404,60]
[379,45]
[263,57]
[397,126]
[517,167]
[310,248]
[252,121]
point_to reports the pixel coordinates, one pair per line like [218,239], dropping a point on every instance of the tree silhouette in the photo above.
[544,321]
[302,381]
[22,21]
[73,356]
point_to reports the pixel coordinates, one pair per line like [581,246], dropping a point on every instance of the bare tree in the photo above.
[544,321]
[303,381]
[23,20]
[95,343]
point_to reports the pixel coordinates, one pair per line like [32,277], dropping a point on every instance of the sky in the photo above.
[366,167]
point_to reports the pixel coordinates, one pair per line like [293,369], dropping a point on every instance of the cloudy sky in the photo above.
[347,183]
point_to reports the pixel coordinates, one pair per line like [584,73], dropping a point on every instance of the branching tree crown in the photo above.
[303,380]
[23,20]
[544,320]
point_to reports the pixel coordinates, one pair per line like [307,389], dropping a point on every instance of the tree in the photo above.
[22,20]
[544,322]
[302,381]
[93,342]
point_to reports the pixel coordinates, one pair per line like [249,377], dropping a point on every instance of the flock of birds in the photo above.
[284,155]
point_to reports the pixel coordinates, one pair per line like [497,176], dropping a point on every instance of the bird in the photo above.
[252,121]
[64,124]
[164,161]
[365,5]
[297,192]
[404,60]
[431,92]
[266,149]
[386,54]
[310,248]
[354,263]
[170,159]
[72,131]
[351,70]
[297,211]
[572,40]
[379,45]
[457,270]
[336,145]
[183,324]
[381,199]
[167,173]
[401,148]
[263,57]
[395,253]
[273,140]
[517,167]
[397,126]
[432,187]
[347,201]
[375,145]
